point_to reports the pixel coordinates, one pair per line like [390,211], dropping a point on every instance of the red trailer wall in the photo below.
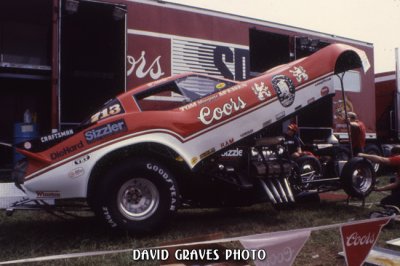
[159,35]
[385,86]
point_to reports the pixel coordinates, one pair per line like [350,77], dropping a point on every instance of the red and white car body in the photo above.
[190,139]
[194,130]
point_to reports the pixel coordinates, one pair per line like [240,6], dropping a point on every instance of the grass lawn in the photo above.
[29,234]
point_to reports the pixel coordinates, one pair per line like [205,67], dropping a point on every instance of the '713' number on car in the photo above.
[106,112]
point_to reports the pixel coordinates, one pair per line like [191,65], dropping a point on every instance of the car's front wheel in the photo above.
[137,195]
[358,177]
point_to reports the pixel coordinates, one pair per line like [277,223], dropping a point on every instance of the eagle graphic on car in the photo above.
[285,89]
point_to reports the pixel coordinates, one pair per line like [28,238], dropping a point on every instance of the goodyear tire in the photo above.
[358,178]
[138,196]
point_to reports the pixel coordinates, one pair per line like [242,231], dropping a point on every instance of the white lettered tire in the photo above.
[137,195]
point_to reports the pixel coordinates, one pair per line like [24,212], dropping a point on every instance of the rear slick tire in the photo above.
[358,178]
[138,196]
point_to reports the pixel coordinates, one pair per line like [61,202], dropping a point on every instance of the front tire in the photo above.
[137,195]
[358,178]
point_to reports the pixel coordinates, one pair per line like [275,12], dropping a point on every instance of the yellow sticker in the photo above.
[194,160]
[207,153]
[179,159]
[220,86]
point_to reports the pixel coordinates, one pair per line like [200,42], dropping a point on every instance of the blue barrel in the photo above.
[23,132]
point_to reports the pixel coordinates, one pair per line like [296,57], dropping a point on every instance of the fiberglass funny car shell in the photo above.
[193,115]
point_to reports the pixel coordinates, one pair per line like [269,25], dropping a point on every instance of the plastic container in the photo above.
[23,132]
[27,117]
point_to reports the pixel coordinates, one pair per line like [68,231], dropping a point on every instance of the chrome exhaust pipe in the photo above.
[275,191]
[288,189]
[278,193]
[268,191]
[282,191]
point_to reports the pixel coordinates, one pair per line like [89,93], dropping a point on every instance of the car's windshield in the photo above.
[196,87]
[179,92]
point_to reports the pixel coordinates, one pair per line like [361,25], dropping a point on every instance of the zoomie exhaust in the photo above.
[278,190]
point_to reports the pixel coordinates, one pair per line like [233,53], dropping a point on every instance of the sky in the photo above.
[372,21]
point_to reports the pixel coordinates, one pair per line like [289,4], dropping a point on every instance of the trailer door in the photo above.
[92,52]
[267,50]
[305,46]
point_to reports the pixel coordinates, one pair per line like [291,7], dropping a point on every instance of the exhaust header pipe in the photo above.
[278,190]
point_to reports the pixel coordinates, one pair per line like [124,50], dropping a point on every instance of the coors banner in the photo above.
[281,248]
[359,238]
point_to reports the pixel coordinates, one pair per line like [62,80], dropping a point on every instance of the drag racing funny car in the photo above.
[190,140]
